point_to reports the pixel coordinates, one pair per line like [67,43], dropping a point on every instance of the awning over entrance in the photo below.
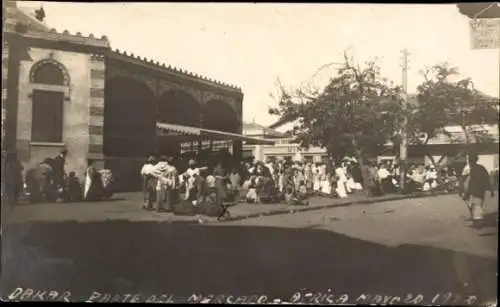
[207,134]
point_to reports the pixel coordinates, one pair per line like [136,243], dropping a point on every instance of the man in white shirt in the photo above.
[383,176]
[161,172]
[149,183]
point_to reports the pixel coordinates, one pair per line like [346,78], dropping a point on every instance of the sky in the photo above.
[252,45]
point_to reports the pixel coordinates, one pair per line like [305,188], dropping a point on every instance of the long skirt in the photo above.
[326,188]
[476,205]
[149,190]
[93,189]
[317,185]
[220,190]
[341,191]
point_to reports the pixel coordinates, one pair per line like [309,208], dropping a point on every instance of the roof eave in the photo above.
[149,63]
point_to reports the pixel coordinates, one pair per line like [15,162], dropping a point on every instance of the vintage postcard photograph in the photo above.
[250,153]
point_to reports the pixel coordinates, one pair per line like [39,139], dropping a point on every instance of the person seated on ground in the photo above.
[451,184]
[410,184]
[108,182]
[296,197]
[289,187]
[430,178]
[73,189]
[93,183]
[302,189]
[418,177]
[252,196]
[268,193]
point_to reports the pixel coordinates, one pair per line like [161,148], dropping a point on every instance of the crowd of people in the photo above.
[168,182]
[48,181]
[272,181]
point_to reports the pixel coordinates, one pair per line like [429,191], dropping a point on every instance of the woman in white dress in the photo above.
[342,179]
[326,188]
[316,180]
[93,188]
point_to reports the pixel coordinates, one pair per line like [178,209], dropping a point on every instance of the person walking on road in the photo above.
[477,183]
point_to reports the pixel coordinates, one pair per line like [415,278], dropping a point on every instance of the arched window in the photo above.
[48,73]
[50,85]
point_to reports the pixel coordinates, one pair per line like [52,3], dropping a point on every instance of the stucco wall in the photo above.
[76,111]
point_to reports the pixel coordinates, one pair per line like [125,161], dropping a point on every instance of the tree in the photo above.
[479,10]
[442,102]
[355,114]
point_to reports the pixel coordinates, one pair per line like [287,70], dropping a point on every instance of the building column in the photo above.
[5,62]
[96,109]
[259,152]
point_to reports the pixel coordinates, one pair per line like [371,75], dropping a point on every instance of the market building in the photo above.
[107,106]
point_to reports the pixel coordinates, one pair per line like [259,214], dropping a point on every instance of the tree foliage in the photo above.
[355,114]
[443,102]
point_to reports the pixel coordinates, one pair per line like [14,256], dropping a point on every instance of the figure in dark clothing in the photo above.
[58,171]
[477,182]
[73,188]
[13,178]
[220,184]
[356,173]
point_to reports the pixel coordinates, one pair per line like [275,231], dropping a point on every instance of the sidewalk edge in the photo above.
[300,209]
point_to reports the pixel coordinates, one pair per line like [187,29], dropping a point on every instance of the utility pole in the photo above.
[403,149]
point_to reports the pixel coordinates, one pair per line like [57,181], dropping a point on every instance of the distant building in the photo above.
[284,146]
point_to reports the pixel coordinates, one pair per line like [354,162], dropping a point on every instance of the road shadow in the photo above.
[491,219]
[155,258]
[26,202]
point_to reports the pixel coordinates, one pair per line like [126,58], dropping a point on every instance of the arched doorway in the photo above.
[219,115]
[129,129]
[180,108]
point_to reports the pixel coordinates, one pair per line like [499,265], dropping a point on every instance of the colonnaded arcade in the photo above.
[67,90]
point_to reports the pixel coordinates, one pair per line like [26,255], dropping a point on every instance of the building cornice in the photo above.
[173,71]
[66,37]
